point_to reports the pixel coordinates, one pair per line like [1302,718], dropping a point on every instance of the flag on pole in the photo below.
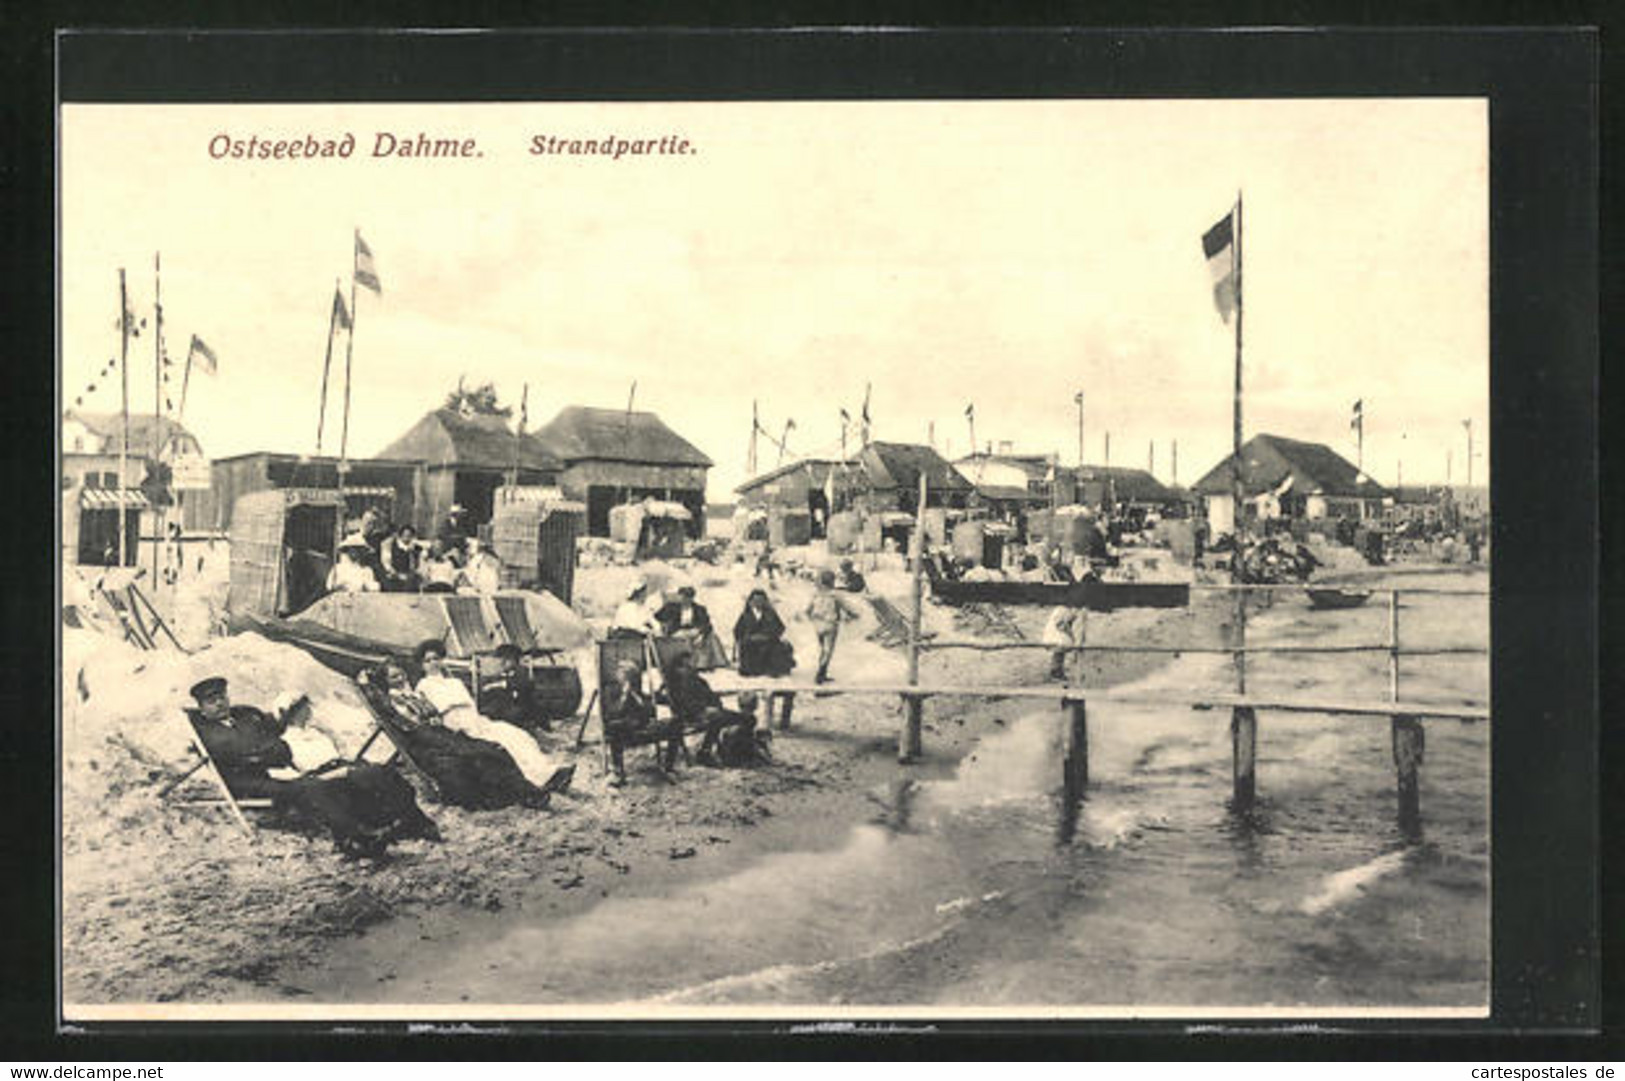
[366,275]
[970,412]
[341,314]
[1358,416]
[206,358]
[1219,245]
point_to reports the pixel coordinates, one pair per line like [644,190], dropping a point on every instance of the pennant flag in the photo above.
[207,360]
[866,389]
[1219,246]
[366,275]
[1077,399]
[1358,415]
[341,314]
[846,418]
[970,412]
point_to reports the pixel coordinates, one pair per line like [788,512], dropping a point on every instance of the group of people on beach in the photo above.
[376,556]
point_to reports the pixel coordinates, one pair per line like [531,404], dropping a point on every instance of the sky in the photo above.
[1001,255]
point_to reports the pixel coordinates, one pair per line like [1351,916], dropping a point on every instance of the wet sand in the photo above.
[181,907]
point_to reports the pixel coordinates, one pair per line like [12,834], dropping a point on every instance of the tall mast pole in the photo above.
[124,406]
[1176,461]
[349,347]
[1469,424]
[159,517]
[1079,400]
[1235,427]
[327,364]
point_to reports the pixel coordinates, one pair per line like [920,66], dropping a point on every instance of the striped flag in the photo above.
[366,275]
[1357,418]
[206,358]
[341,314]
[1219,245]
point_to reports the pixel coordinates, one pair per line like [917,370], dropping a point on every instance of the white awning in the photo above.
[102,498]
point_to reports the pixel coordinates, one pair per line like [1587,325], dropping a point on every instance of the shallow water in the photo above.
[964,892]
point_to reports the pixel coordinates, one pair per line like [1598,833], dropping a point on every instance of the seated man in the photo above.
[245,743]
[697,706]
[629,718]
[363,810]
[510,695]
[684,617]
[850,579]
[438,570]
[399,557]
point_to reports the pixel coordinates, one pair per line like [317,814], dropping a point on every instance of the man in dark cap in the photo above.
[245,743]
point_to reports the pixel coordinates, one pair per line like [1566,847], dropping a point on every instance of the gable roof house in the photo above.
[615,456]
[466,457]
[891,478]
[1292,478]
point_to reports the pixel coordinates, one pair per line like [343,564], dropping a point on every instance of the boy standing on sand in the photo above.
[826,610]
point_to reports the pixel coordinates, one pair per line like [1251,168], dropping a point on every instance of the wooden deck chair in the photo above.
[386,724]
[224,796]
[641,651]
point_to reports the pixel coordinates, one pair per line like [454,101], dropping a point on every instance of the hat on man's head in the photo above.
[212,687]
[353,541]
[826,578]
[685,591]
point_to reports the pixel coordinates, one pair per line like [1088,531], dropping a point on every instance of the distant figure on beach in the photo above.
[697,705]
[850,579]
[351,574]
[458,712]
[633,619]
[684,617]
[765,564]
[1065,628]
[399,558]
[759,639]
[483,571]
[826,611]
[172,553]
[629,717]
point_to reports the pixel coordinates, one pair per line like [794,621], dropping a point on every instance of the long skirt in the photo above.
[520,745]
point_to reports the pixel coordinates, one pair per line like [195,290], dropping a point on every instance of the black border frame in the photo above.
[1543,85]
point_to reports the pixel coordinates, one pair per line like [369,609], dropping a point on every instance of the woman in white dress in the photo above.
[458,712]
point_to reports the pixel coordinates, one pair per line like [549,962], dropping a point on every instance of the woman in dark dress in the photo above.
[759,639]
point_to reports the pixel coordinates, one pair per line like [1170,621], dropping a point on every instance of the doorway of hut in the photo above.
[308,541]
[477,493]
[818,512]
[98,536]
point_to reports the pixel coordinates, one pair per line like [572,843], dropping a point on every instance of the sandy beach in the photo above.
[165,904]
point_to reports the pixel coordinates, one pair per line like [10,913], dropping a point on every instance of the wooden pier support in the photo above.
[1244,746]
[1075,778]
[908,737]
[1409,743]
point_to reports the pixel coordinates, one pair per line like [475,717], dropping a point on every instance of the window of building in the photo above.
[93,480]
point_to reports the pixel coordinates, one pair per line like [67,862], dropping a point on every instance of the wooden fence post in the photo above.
[909,745]
[1076,777]
[908,738]
[1409,743]
[1244,744]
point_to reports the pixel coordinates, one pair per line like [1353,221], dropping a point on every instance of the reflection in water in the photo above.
[1004,885]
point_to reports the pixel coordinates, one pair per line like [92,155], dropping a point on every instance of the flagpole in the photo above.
[519,434]
[124,406]
[327,364]
[1235,432]
[349,347]
[1079,400]
[158,516]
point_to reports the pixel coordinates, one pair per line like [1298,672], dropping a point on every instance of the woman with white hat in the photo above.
[351,574]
